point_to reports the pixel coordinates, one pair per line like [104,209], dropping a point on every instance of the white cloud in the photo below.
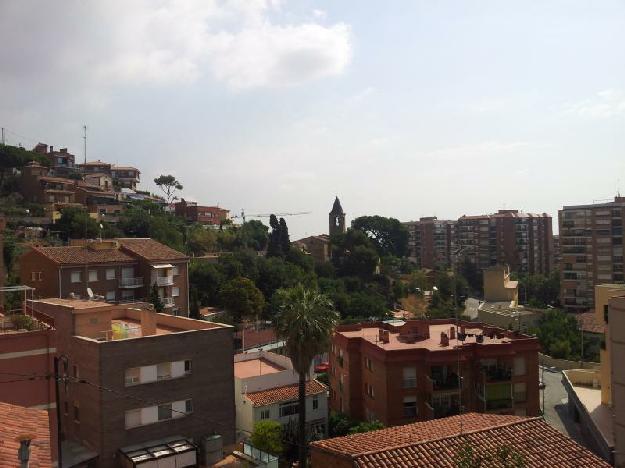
[481,150]
[96,45]
[603,105]
[319,14]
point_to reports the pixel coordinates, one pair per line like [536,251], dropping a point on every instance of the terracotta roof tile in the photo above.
[150,249]
[587,321]
[78,255]
[436,443]
[285,393]
[18,421]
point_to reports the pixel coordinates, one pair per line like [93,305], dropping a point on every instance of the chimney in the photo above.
[23,453]
[51,149]
[444,339]
[381,334]
[452,333]
[148,322]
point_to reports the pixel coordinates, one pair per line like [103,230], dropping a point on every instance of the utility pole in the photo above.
[84,137]
[3,135]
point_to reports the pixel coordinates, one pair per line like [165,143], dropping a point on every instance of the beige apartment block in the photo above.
[591,250]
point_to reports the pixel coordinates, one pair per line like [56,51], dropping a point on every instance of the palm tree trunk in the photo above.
[302,420]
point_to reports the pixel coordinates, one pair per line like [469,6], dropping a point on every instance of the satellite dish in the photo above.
[90,293]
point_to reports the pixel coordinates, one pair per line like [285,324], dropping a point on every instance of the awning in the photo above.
[163,265]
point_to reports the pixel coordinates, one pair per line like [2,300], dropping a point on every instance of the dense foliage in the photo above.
[561,338]
[340,424]
[540,290]
[267,436]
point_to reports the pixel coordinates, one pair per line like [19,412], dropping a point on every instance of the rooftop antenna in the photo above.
[84,137]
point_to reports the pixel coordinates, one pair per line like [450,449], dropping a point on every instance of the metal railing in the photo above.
[130,282]
[164,280]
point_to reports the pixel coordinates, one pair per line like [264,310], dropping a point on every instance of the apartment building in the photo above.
[595,396]
[138,386]
[194,213]
[60,161]
[125,176]
[94,167]
[431,242]
[118,270]
[26,352]
[521,240]
[266,388]
[591,250]
[422,369]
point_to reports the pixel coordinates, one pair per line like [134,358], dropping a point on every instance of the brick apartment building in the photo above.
[134,379]
[194,213]
[521,240]
[399,374]
[431,242]
[28,353]
[591,250]
[119,270]
[122,176]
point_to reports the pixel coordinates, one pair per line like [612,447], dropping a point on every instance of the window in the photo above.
[164,412]
[163,371]
[175,291]
[133,418]
[369,390]
[368,364]
[176,270]
[606,313]
[188,406]
[315,403]
[76,412]
[519,366]
[76,276]
[187,366]
[75,371]
[264,414]
[133,376]
[110,296]
[93,275]
[410,377]
[110,273]
[35,276]
[66,408]
[520,394]
[410,407]
[287,409]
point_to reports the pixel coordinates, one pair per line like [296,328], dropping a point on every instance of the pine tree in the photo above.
[285,242]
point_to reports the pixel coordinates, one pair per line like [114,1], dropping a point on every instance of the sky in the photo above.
[401,108]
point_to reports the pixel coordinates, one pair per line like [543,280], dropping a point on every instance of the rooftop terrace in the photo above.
[255,367]
[431,335]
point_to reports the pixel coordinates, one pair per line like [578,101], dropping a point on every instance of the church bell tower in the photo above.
[337,218]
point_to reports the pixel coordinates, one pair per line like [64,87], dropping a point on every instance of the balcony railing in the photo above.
[443,411]
[130,282]
[164,280]
[409,382]
[498,374]
[498,404]
[168,301]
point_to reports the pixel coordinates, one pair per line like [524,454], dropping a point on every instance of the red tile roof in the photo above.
[80,255]
[437,442]
[150,249]
[587,321]
[285,393]
[18,422]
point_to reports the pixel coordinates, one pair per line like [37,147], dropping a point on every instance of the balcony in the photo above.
[164,280]
[499,404]
[168,301]
[443,411]
[130,283]
[497,374]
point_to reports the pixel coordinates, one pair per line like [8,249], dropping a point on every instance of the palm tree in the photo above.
[305,321]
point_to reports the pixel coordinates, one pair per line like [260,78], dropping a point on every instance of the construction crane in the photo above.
[242,216]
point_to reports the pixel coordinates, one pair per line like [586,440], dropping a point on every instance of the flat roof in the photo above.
[600,414]
[433,343]
[256,367]
[76,304]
